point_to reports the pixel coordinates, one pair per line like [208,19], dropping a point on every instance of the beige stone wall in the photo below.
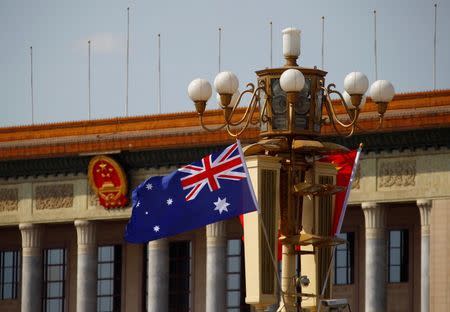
[403,176]
[60,199]
[440,256]
[384,177]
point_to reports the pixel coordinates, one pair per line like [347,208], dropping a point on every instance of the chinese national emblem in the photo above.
[108,181]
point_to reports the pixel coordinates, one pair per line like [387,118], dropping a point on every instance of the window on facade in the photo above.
[344,260]
[235,277]
[398,256]
[180,254]
[55,261]
[9,274]
[109,278]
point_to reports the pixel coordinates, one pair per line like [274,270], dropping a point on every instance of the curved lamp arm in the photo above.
[336,128]
[246,119]
[210,129]
[380,124]
[332,114]
[250,89]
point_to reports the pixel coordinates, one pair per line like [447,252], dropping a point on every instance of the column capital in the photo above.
[31,238]
[217,229]
[216,234]
[424,203]
[86,235]
[425,211]
[375,219]
[162,243]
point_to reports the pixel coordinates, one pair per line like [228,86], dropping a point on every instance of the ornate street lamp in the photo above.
[287,104]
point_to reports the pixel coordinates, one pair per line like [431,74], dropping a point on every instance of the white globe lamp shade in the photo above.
[348,101]
[356,83]
[382,91]
[291,42]
[292,80]
[234,98]
[226,83]
[199,90]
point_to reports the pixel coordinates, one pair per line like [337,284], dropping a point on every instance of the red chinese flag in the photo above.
[346,164]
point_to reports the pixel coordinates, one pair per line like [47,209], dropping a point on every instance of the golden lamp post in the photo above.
[287,104]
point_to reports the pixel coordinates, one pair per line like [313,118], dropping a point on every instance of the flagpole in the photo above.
[434,46]
[323,40]
[31,81]
[271,45]
[89,79]
[128,59]
[220,48]
[375,43]
[341,219]
[159,73]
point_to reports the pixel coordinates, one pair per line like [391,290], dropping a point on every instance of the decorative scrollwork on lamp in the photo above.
[290,98]
[229,99]
[354,98]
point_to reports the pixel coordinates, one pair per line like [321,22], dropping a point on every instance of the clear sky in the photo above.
[59,30]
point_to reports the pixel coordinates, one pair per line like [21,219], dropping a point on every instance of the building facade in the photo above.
[60,250]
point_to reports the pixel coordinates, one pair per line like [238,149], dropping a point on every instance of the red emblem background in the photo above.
[109,182]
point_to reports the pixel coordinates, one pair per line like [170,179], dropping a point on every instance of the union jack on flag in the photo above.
[179,202]
[223,167]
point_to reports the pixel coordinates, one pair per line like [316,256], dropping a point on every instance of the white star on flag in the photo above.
[138,204]
[169,201]
[156,228]
[221,205]
[149,186]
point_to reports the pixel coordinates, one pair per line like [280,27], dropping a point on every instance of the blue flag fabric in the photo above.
[215,188]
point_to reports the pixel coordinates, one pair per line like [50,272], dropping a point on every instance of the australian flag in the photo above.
[215,188]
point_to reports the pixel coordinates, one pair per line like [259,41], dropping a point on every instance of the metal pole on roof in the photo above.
[375,43]
[128,59]
[31,80]
[434,46]
[159,73]
[220,48]
[89,79]
[323,41]
[271,45]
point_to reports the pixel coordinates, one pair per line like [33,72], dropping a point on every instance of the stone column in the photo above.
[86,266]
[375,290]
[158,276]
[425,214]
[216,257]
[31,267]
